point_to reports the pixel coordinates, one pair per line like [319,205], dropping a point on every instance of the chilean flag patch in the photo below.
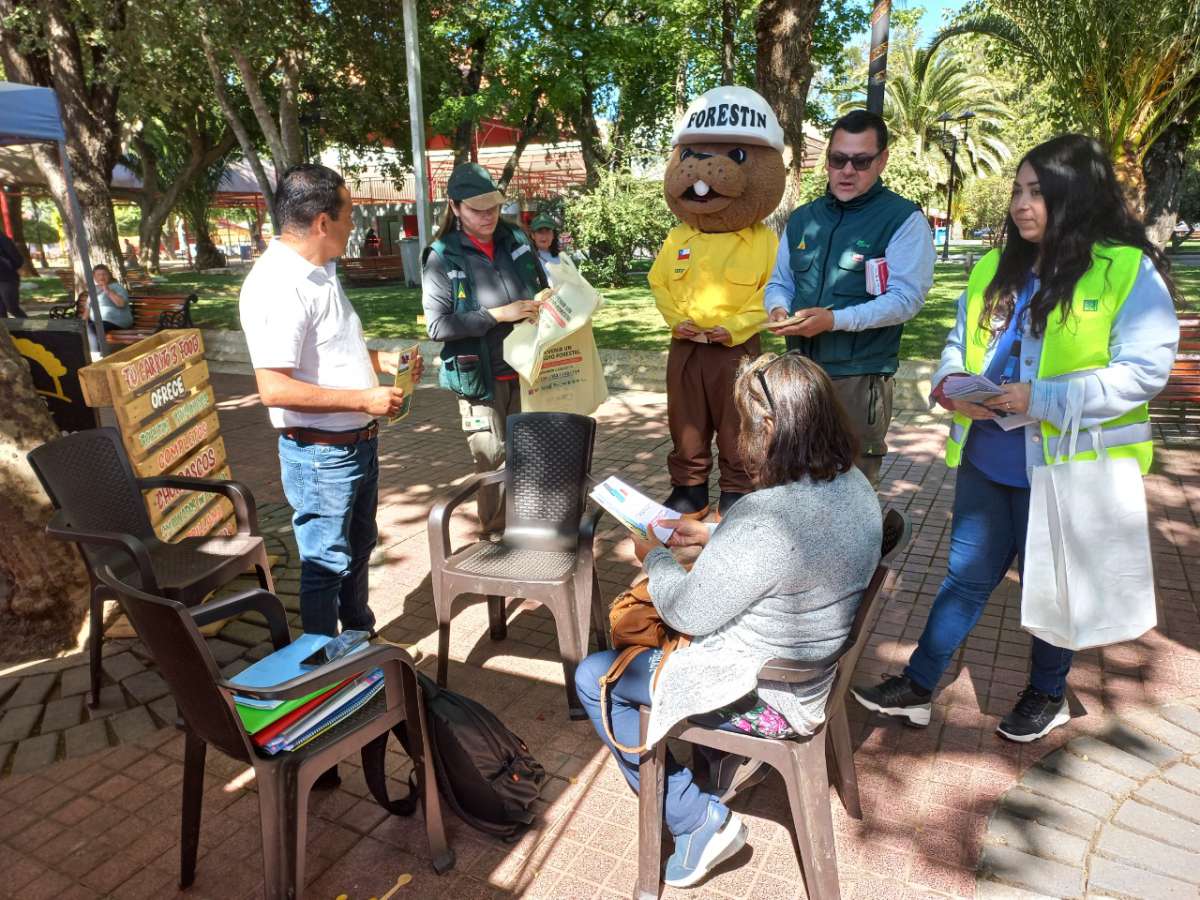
[684,253]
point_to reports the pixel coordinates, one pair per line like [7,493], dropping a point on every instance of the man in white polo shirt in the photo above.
[318,379]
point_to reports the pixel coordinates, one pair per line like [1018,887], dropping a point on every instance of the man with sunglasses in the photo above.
[853,267]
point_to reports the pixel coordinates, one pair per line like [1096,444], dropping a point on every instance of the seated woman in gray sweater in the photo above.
[781,576]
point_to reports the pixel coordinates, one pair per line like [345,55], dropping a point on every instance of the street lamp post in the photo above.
[946,119]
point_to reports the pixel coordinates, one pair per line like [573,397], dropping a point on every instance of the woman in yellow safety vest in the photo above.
[1076,292]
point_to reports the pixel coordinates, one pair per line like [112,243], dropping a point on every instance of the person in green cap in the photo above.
[545,238]
[479,276]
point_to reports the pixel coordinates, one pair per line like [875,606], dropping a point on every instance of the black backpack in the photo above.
[484,771]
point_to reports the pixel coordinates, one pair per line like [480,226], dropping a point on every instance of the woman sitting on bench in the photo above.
[781,576]
[116,311]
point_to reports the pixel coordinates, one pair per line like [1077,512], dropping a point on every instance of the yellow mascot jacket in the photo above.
[715,279]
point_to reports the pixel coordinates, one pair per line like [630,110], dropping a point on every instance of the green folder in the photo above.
[257,719]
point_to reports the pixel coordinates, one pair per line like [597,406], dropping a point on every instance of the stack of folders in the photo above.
[280,725]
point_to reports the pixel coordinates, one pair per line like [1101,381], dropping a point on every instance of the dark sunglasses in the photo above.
[861,162]
[763,381]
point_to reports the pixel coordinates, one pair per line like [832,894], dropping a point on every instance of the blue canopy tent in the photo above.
[30,115]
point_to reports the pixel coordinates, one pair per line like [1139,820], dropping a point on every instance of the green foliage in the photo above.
[41,221]
[923,86]
[1121,71]
[912,175]
[622,217]
[814,183]
[983,203]
[1189,193]
[129,219]
[41,232]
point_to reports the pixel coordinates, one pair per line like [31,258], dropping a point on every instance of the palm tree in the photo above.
[927,87]
[1129,74]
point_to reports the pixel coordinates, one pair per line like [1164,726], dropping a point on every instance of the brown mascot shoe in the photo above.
[690,501]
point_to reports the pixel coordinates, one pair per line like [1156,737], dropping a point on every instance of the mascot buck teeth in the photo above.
[725,175]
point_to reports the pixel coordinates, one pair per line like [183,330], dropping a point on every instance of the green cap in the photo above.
[472,184]
[542,220]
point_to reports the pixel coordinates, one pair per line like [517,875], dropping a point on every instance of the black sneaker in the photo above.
[1035,715]
[897,696]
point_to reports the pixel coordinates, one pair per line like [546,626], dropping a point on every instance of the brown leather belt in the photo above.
[331,438]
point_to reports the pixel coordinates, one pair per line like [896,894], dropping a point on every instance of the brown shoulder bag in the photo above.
[636,627]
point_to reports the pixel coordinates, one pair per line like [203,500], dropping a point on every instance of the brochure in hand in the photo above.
[977,389]
[632,509]
[404,380]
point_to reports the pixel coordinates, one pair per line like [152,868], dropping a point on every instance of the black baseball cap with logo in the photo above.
[472,184]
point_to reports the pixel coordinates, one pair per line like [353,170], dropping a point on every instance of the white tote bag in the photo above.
[1088,579]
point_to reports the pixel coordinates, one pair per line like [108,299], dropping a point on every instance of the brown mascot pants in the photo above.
[700,403]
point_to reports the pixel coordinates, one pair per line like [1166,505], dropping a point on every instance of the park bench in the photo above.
[152,312]
[360,270]
[1179,401]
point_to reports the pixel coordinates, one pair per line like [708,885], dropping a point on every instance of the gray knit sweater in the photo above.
[781,576]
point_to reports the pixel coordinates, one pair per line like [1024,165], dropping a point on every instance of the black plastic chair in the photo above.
[100,506]
[205,701]
[545,553]
[806,763]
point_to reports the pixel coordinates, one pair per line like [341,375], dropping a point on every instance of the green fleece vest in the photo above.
[1079,344]
[830,243]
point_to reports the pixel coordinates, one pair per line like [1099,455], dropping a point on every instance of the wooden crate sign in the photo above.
[162,395]
[128,371]
[170,453]
[142,439]
[166,410]
[207,462]
[183,514]
[225,529]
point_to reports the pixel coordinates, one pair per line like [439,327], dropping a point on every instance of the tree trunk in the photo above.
[530,128]
[728,39]
[289,108]
[157,204]
[591,145]
[89,114]
[239,129]
[47,587]
[681,91]
[1162,173]
[783,73]
[262,112]
[15,202]
[472,80]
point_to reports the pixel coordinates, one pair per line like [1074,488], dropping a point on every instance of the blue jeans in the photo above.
[988,532]
[684,804]
[334,492]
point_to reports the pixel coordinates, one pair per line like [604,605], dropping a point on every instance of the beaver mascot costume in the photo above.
[724,177]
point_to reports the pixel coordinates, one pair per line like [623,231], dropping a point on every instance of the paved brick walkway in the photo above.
[105,823]
[1114,814]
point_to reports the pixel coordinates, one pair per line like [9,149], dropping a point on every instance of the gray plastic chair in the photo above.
[101,510]
[545,553]
[807,764]
[205,701]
